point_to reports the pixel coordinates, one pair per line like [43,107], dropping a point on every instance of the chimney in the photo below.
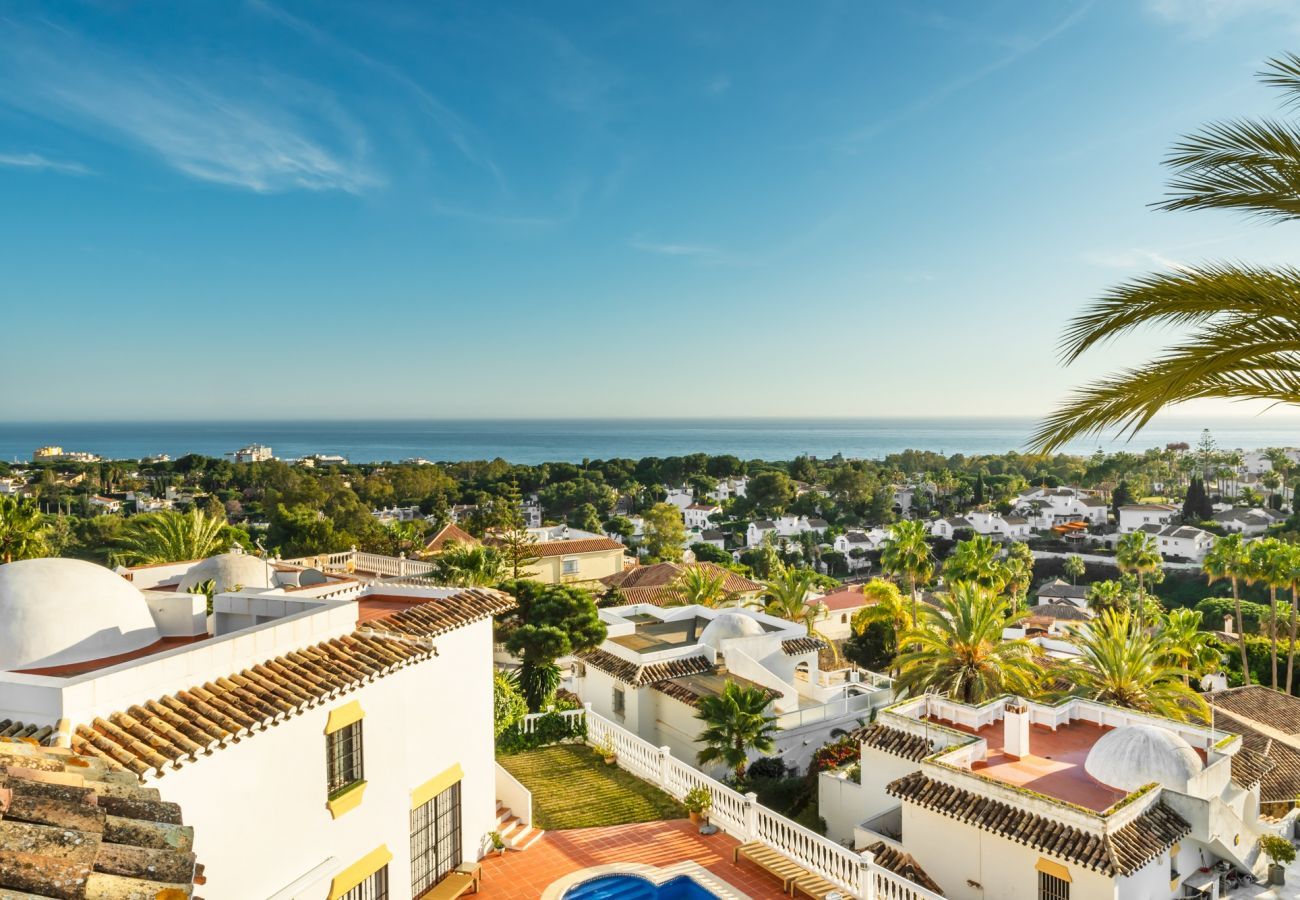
[1015,720]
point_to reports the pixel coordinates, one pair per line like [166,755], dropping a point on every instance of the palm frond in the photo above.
[1283,72]
[1250,165]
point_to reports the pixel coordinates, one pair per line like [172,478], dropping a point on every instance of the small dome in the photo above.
[228,571]
[1134,755]
[730,625]
[60,611]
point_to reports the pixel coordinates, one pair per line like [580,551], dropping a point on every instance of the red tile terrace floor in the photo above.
[1054,766]
[524,875]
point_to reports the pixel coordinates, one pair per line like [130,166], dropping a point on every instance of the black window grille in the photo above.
[1052,888]
[435,840]
[374,887]
[344,758]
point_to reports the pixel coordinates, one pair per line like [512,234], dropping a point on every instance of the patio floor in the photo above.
[523,876]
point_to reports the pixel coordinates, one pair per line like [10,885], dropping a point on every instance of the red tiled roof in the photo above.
[1257,703]
[567,548]
[434,617]
[849,598]
[1121,852]
[631,673]
[903,744]
[74,826]
[655,584]
[450,534]
[902,863]
[795,646]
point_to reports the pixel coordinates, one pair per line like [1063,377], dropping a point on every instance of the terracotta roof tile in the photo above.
[435,617]
[1121,852]
[637,676]
[1256,703]
[450,534]
[902,863]
[666,574]
[578,545]
[894,741]
[78,826]
[795,646]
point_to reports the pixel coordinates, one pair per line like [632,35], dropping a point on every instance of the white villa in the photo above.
[1250,522]
[699,516]
[1046,508]
[656,663]
[1025,801]
[730,488]
[1181,541]
[985,522]
[1138,515]
[283,723]
[782,527]
[855,545]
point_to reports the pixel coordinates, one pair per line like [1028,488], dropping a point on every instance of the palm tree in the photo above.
[1186,645]
[885,603]
[1270,563]
[1245,319]
[163,537]
[1136,553]
[976,561]
[785,593]
[1107,595]
[696,585]
[22,529]
[1229,558]
[1120,662]
[1075,568]
[466,565]
[736,722]
[1292,582]
[958,649]
[906,554]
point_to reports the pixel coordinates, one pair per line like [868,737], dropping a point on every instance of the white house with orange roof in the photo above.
[1071,801]
[323,735]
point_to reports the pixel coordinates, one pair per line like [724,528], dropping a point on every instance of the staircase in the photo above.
[514,831]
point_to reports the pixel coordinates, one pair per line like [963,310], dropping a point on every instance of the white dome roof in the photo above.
[1134,755]
[730,625]
[59,611]
[228,571]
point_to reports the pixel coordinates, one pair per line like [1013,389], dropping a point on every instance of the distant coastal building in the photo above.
[55,453]
[322,459]
[252,453]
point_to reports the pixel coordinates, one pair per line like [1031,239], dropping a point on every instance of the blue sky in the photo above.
[277,209]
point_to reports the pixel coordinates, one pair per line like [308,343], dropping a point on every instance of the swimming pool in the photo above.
[635,887]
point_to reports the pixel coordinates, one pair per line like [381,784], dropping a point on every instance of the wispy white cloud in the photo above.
[457,130]
[671,249]
[205,124]
[1021,46]
[1202,18]
[1133,258]
[37,162]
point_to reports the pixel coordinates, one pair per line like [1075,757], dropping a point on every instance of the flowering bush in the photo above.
[833,755]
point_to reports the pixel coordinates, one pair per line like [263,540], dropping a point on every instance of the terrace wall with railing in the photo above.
[355,560]
[743,817]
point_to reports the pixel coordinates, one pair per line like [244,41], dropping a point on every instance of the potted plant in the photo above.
[605,750]
[698,801]
[1280,853]
[498,843]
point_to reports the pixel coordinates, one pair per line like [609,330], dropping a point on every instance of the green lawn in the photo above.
[573,788]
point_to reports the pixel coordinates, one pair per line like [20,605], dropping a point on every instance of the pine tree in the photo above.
[1192,502]
[979,490]
[1121,496]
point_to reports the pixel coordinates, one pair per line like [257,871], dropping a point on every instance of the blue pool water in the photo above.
[634,887]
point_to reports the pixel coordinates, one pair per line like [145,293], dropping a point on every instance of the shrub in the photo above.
[698,799]
[1278,849]
[551,728]
[508,706]
[833,755]
[768,767]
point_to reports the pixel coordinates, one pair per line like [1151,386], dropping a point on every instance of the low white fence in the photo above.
[572,718]
[744,818]
[355,560]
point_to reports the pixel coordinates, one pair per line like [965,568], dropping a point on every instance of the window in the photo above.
[569,567]
[373,888]
[343,757]
[435,840]
[620,702]
[1052,888]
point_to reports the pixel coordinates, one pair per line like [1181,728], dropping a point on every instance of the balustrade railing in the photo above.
[744,818]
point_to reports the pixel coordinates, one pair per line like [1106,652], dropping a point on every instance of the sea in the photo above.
[530,442]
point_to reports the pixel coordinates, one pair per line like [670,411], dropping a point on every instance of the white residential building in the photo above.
[679,497]
[1046,508]
[1135,516]
[1250,522]
[856,545]
[388,516]
[102,504]
[310,729]
[1025,801]
[252,453]
[699,516]
[1181,541]
[657,662]
[758,530]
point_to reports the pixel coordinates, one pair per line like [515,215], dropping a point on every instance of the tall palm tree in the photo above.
[1075,568]
[1120,662]
[1270,564]
[698,586]
[1107,595]
[785,593]
[958,649]
[906,555]
[1136,554]
[1185,645]
[736,722]
[172,537]
[467,565]
[885,603]
[1293,583]
[1230,559]
[22,529]
[977,561]
[1244,319]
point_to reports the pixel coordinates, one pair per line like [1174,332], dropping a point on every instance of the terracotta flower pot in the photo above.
[696,817]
